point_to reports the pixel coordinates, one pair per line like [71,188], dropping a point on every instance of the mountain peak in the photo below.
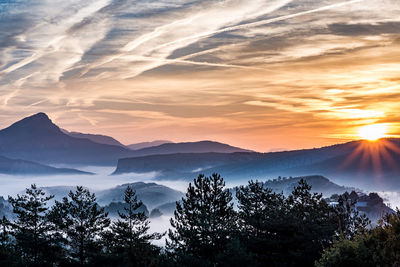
[40,115]
[34,123]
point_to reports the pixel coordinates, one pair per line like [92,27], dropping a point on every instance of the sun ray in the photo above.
[373,132]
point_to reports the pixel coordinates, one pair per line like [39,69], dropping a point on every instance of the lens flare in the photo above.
[373,132]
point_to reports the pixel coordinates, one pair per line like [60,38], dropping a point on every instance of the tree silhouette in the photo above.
[129,240]
[85,221]
[203,223]
[7,257]
[31,226]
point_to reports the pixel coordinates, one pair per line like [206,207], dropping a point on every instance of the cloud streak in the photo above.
[309,71]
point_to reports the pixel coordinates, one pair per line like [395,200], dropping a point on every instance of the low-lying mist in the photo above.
[11,184]
[101,180]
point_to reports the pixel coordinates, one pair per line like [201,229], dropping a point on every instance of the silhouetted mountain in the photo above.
[24,167]
[372,165]
[372,205]
[38,139]
[188,147]
[233,164]
[319,184]
[151,194]
[97,138]
[182,162]
[147,144]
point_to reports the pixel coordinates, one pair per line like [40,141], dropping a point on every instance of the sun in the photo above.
[372,132]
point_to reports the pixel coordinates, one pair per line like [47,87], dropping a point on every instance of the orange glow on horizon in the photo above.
[373,156]
[373,132]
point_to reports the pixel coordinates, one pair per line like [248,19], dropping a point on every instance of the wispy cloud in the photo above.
[243,70]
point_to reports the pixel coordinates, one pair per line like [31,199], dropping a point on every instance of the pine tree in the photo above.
[262,217]
[204,223]
[130,238]
[58,227]
[6,245]
[350,222]
[85,222]
[312,222]
[31,227]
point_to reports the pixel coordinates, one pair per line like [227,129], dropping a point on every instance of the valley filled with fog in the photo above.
[101,179]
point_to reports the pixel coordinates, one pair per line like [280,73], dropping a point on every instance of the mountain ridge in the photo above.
[24,167]
[36,138]
[359,158]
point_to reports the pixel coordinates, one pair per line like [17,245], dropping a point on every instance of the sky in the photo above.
[261,74]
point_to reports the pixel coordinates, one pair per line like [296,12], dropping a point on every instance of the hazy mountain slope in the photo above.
[188,147]
[23,167]
[181,162]
[373,166]
[151,194]
[38,139]
[232,165]
[370,164]
[319,184]
[147,144]
[97,138]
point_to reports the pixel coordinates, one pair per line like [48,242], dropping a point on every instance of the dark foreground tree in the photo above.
[59,224]
[311,223]
[292,230]
[350,221]
[7,256]
[30,229]
[129,243]
[84,222]
[378,247]
[204,225]
[262,218]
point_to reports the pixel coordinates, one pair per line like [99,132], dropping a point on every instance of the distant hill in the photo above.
[182,162]
[151,194]
[319,184]
[250,164]
[372,205]
[147,144]
[97,138]
[37,138]
[371,165]
[24,167]
[187,147]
